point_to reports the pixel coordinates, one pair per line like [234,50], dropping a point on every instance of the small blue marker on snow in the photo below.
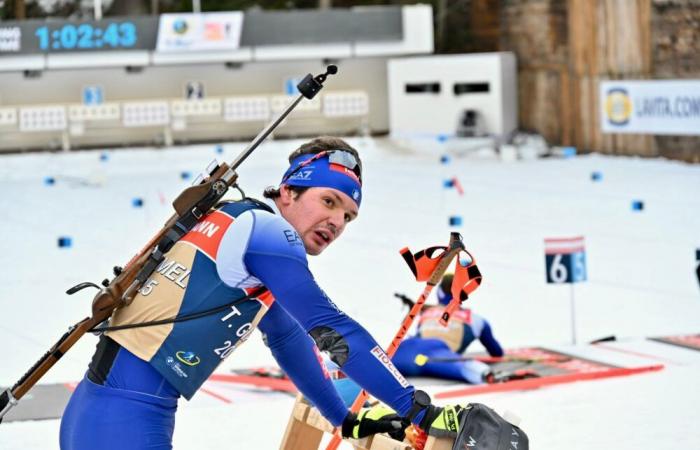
[568,152]
[596,176]
[219,149]
[49,181]
[104,156]
[445,159]
[637,205]
[185,175]
[137,202]
[455,221]
[65,242]
[442,138]
[447,184]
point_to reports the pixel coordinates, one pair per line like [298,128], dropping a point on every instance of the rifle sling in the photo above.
[185,318]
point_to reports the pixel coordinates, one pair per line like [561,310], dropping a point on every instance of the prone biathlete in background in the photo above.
[436,350]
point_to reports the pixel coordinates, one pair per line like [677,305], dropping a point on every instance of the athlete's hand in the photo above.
[442,421]
[377,419]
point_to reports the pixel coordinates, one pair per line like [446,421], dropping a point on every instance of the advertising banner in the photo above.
[195,32]
[650,107]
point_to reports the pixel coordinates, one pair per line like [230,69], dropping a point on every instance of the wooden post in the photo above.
[608,40]
[20,10]
[306,427]
[438,444]
[299,434]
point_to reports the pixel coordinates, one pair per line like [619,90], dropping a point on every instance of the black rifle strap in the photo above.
[185,318]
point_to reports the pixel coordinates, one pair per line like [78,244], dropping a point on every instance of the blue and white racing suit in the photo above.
[129,395]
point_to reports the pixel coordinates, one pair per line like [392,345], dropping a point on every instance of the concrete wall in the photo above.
[168,82]
[57,81]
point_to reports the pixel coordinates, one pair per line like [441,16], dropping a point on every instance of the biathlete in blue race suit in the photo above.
[436,350]
[251,256]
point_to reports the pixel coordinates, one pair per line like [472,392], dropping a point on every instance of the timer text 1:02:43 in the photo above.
[86,36]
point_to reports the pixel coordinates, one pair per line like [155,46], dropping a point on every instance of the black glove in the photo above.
[437,421]
[442,421]
[377,419]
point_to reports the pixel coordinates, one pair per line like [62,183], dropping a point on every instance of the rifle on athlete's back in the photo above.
[190,206]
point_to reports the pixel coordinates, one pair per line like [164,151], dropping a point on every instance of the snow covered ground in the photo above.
[640,269]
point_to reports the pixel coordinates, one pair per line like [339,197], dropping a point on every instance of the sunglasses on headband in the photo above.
[340,157]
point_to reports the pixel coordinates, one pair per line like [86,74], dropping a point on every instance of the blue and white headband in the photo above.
[333,169]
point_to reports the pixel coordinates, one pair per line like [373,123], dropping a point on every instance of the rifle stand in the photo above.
[306,427]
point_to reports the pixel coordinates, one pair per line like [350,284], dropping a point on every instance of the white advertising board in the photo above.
[194,32]
[650,107]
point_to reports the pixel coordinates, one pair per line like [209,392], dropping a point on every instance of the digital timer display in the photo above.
[63,36]
[86,36]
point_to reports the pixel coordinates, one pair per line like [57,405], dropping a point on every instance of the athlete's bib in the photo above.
[187,282]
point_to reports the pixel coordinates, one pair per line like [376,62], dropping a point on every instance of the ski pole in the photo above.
[433,278]
[467,278]
[190,206]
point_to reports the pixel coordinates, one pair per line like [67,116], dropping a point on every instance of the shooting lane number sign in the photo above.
[565,262]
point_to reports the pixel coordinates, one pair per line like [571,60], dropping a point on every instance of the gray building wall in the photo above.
[168,82]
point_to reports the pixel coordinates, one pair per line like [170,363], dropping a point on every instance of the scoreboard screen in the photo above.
[58,36]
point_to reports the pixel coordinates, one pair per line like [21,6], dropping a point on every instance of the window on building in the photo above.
[471,88]
[423,88]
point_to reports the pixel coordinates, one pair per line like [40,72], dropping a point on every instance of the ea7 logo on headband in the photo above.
[302,175]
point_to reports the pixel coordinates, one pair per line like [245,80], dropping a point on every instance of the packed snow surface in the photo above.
[641,274]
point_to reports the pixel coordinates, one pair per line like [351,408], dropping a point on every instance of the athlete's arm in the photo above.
[489,341]
[297,355]
[277,258]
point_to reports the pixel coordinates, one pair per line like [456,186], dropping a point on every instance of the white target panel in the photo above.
[43,118]
[346,104]
[8,116]
[189,108]
[86,113]
[468,94]
[280,102]
[244,109]
[145,114]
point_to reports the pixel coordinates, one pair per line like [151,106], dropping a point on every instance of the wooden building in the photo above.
[566,47]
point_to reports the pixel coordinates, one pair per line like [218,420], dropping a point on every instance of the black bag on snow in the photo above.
[483,429]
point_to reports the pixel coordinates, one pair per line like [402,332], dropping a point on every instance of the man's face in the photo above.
[319,215]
